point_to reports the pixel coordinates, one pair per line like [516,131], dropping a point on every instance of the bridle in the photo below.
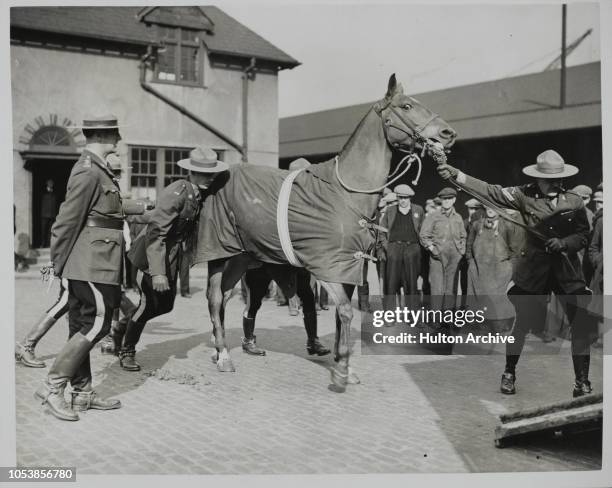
[413,131]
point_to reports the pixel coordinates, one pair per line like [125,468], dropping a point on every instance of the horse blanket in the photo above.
[240,216]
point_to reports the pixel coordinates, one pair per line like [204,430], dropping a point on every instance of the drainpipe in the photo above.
[247,74]
[189,114]
[563,55]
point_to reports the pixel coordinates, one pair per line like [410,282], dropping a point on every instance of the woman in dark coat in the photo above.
[489,253]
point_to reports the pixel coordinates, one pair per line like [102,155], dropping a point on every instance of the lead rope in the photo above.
[409,159]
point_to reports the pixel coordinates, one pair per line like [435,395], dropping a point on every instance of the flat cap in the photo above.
[583,190]
[403,191]
[473,203]
[447,192]
[598,196]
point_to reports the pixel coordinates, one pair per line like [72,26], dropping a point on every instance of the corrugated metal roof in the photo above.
[122,24]
[523,104]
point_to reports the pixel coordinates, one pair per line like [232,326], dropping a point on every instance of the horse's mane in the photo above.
[351,140]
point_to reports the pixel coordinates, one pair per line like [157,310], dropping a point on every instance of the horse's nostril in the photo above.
[448,133]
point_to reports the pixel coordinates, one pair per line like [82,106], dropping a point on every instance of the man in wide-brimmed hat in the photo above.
[548,260]
[155,252]
[87,245]
[402,250]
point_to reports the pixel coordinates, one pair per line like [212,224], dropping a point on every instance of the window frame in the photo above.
[178,42]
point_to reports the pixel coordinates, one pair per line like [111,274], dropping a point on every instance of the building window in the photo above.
[173,171]
[178,61]
[143,180]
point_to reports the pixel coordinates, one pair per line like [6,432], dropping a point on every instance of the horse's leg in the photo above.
[341,295]
[216,311]
[257,282]
[234,268]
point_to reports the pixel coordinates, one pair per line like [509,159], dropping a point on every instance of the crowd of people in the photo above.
[537,240]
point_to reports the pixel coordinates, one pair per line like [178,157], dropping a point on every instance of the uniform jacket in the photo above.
[445,232]
[87,253]
[567,221]
[388,218]
[174,220]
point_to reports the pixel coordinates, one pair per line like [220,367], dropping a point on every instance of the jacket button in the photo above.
[106,240]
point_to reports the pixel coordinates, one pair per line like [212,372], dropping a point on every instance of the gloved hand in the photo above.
[47,271]
[160,283]
[381,254]
[446,171]
[555,244]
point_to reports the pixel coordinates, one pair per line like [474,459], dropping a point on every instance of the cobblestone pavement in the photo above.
[277,414]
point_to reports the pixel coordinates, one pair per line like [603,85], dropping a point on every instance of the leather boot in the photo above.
[507,383]
[363,302]
[315,347]
[24,351]
[69,360]
[85,400]
[582,385]
[250,347]
[127,359]
[249,344]
[111,344]
[53,397]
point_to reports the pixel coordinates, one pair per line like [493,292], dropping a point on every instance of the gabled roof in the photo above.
[523,104]
[122,24]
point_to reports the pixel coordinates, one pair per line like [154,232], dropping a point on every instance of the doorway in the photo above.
[43,170]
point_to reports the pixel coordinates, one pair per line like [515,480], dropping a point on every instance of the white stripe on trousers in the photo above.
[143,298]
[100,313]
[62,300]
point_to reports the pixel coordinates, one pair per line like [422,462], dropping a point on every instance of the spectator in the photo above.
[48,211]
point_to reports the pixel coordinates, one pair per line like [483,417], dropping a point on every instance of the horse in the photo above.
[319,218]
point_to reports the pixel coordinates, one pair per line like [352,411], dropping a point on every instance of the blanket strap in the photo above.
[282,218]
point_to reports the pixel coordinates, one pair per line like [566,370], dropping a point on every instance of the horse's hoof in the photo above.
[214,357]
[226,366]
[352,379]
[338,378]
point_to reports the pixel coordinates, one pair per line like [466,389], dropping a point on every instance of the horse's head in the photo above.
[408,124]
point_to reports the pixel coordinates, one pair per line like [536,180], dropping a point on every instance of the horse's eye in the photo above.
[406,106]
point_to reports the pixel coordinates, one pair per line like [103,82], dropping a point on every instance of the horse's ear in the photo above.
[391,86]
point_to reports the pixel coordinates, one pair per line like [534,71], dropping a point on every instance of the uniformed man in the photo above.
[155,251]
[443,236]
[25,350]
[548,260]
[402,249]
[87,251]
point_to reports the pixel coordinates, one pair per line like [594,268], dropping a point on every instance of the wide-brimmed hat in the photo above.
[550,164]
[98,122]
[447,192]
[403,190]
[598,196]
[473,203]
[203,160]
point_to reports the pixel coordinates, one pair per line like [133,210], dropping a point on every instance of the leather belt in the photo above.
[105,223]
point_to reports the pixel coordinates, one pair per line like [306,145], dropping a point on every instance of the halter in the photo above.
[411,130]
